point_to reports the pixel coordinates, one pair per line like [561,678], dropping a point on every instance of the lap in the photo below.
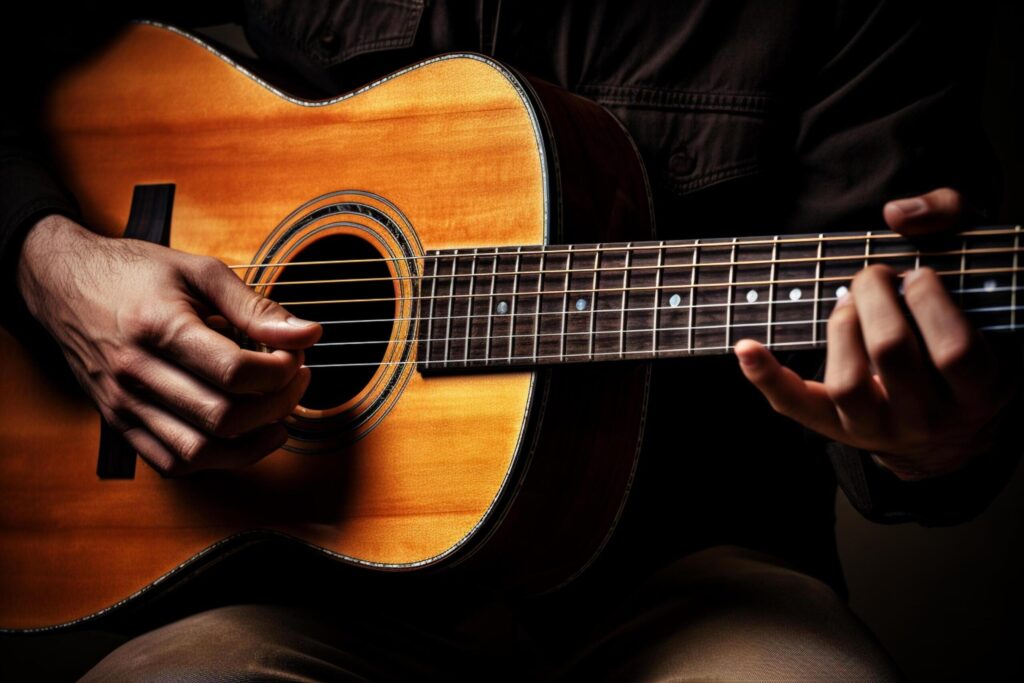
[725,613]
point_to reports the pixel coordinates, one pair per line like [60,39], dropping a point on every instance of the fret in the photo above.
[451,303]
[963,269]
[469,305]
[730,295]
[816,336]
[771,292]
[988,297]
[711,298]
[490,309]
[794,308]
[514,300]
[625,288]
[693,294]
[749,311]
[540,295]
[657,296]
[565,301]
[867,250]
[430,308]
[1013,285]
[593,302]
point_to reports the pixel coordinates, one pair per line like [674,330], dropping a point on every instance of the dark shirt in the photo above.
[752,117]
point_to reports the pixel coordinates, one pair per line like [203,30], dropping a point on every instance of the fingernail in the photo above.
[844,300]
[911,275]
[910,207]
[298,322]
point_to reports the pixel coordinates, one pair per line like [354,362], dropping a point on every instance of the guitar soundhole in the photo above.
[357,314]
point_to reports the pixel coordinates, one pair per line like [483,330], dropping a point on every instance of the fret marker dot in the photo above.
[990,285]
[502,307]
[841,292]
[752,296]
[795,294]
[674,300]
[581,304]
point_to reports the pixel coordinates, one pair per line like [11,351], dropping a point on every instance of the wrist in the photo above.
[43,249]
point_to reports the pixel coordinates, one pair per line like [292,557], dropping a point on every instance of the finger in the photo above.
[960,354]
[848,378]
[187,342]
[150,449]
[203,406]
[255,316]
[890,341]
[806,402]
[193,450]
[938,211]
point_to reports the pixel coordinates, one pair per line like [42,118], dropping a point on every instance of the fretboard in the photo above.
[539,305]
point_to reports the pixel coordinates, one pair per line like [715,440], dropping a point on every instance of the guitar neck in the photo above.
[542,305]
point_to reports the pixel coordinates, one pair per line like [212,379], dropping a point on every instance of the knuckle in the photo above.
[953,353]
[890,347]
[128,364]
[230,374]
[209,269]
[216,418]
[844,389]
[191,448]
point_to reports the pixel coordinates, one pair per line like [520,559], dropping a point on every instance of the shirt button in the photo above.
[328,39]
[681,164]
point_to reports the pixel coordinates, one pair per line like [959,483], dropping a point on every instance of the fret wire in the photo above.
[469,305]
[657,296]
[593,303]
[490,307]
[693,289]
[713,264]
[730,293]
[625,290]
[790,240]
[806,280]
[817,289]
[565,300]
[771,292]
[515,298]
[451,300]
[963,269]
[867,250]
[1013,283]
[430,309]
[540,290]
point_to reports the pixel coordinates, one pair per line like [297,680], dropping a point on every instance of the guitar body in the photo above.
[515,477]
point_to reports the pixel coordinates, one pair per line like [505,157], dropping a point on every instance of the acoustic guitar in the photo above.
[476,244]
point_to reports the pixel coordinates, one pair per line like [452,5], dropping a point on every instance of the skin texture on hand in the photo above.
[923,407]
[134,322]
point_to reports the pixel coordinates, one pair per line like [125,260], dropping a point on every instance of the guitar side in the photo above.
[465,471]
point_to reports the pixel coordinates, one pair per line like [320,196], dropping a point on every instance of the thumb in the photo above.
[938,211]
[256,316]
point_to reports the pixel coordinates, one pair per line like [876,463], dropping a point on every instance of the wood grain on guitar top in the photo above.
[449,142]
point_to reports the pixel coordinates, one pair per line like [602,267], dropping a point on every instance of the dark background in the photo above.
[947,603]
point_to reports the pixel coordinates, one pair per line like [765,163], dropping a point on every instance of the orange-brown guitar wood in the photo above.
[454,145]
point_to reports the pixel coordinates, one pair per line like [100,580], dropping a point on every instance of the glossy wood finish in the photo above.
[451,143]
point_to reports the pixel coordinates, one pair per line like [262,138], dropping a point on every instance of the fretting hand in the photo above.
[922,408]
[129,317]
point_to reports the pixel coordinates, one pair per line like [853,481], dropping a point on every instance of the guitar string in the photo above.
[976,290]
[589,356]
[811,239]
[699,285]
[860,258]
[695,328]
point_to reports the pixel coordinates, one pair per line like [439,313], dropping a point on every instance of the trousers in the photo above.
[725,613]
